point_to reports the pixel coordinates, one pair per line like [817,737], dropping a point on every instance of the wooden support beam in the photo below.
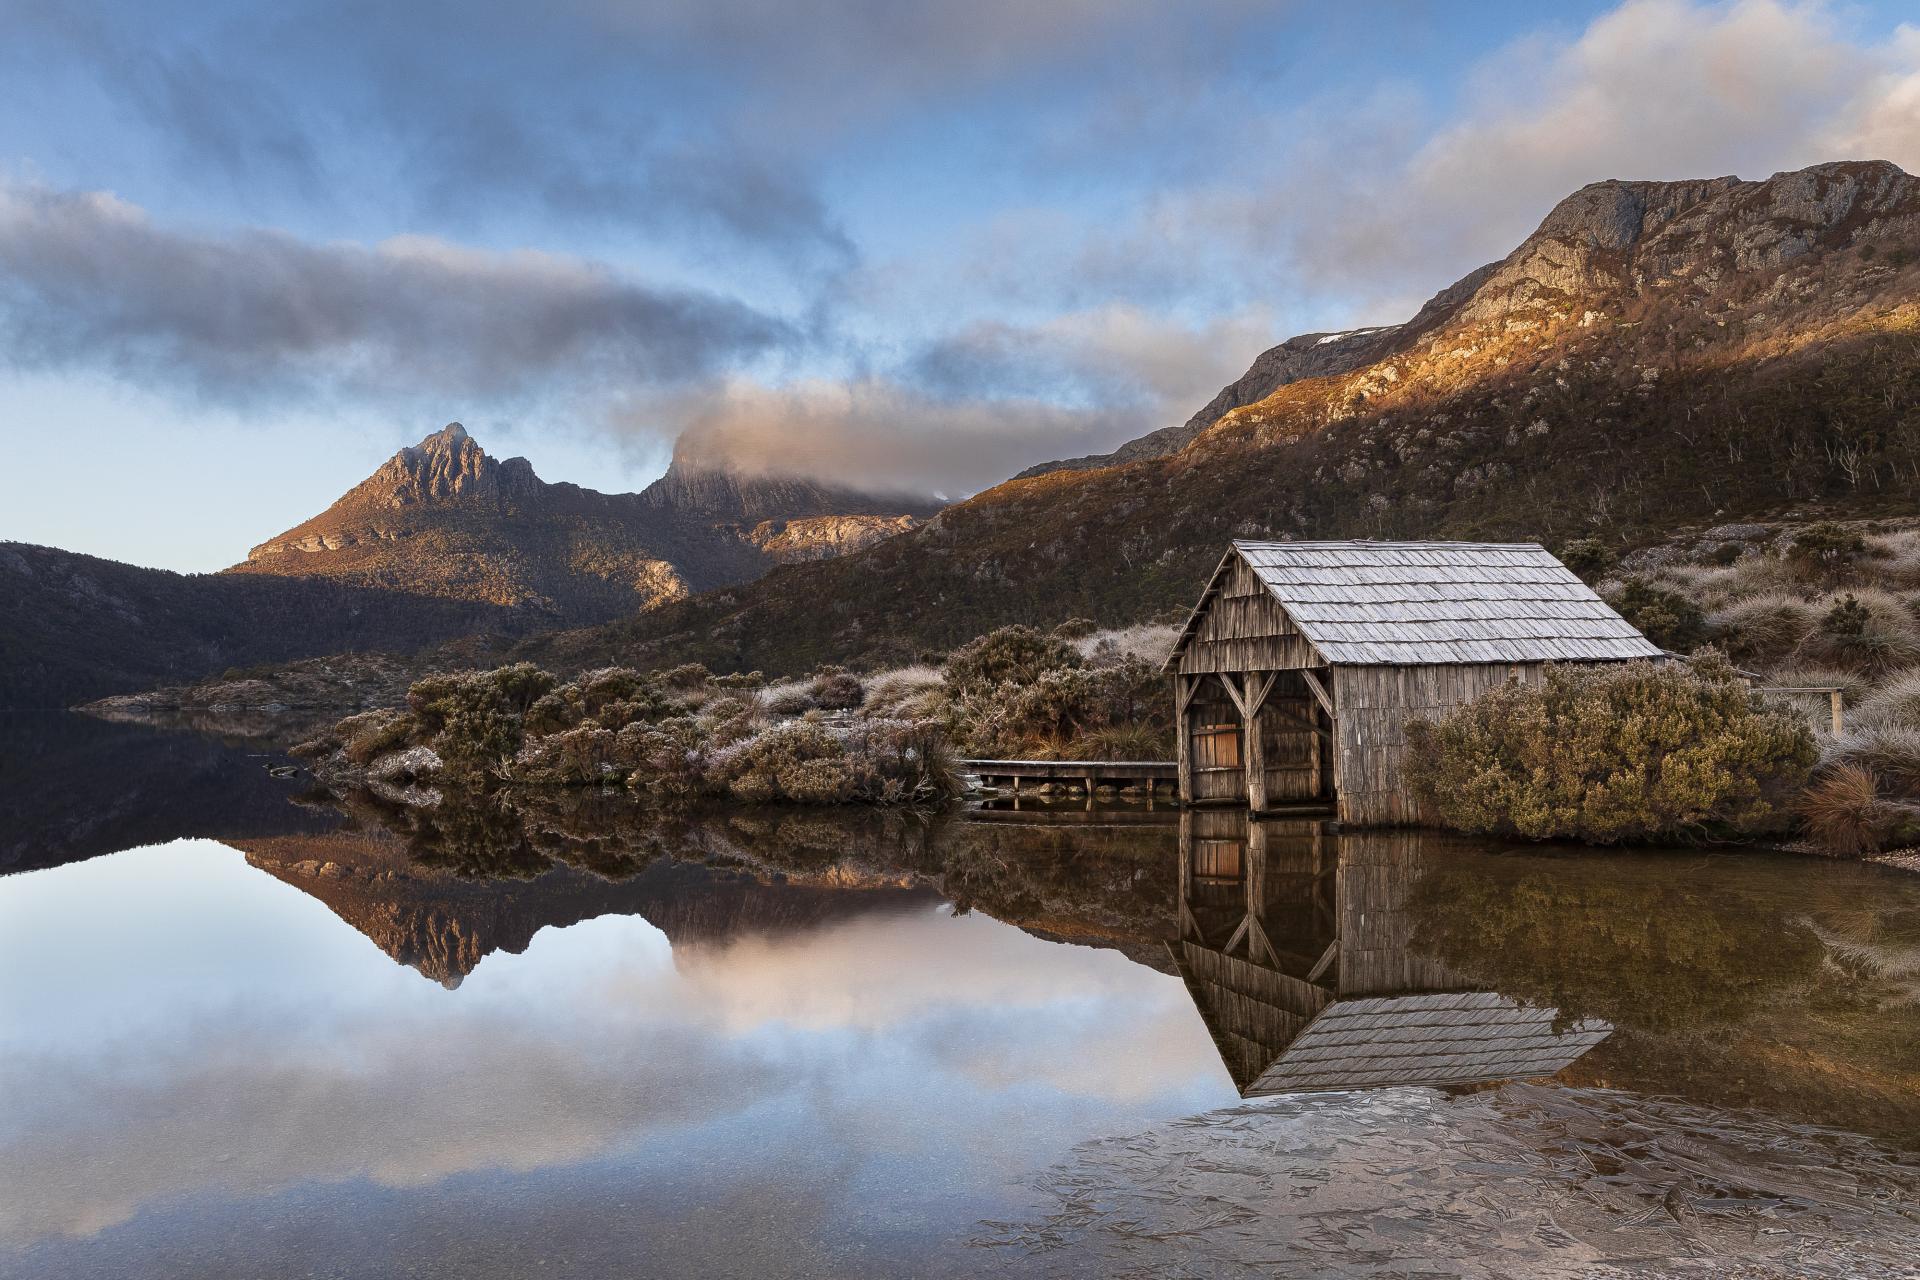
[1233,691]
[1321,965]
[1255,754]
[1258,689]
[1183,736]
[1833,705]
[1319,691]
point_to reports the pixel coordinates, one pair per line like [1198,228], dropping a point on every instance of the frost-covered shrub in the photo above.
[1633,751]
[667,760]
[476,719]
[833,689]
[1018,654]
[1048,715]
[372,734]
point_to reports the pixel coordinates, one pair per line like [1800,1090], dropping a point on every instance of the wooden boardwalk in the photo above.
[1086,773]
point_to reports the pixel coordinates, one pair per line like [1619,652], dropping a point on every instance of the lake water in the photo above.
[248,1031]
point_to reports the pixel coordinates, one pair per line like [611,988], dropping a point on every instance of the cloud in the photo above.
[88,281]
[965,411]
[1359,206]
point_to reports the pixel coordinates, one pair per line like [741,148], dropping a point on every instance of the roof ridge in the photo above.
[1384,544]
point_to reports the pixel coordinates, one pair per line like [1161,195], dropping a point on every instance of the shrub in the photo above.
[1848,617]
[476,719]
[1076,628]
[1635,751]
[1845,814]
[833,689]
[372,734]
[1870,630]
[1665,617]
[1017,653]
[667,759]
[1588,558]
[1826,544]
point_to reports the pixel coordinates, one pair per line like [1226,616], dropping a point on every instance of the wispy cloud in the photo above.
[88,281]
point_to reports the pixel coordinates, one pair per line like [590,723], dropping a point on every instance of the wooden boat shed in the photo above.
[1304,662]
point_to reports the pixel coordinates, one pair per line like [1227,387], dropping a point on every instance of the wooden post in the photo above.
[1183,736]
[1833,703]
[1255,755]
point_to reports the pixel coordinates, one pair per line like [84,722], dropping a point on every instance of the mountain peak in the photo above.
[446,466]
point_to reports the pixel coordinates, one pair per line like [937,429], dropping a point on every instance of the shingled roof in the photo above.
[1279,1034]
[1435,1038]
[1421,603]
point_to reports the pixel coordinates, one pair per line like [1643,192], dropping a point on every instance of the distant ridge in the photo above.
[444,519]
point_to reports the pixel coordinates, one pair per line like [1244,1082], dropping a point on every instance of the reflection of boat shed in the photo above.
[1295,945]
[1303,663]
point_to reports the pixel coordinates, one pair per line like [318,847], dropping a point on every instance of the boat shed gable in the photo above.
[1404,604]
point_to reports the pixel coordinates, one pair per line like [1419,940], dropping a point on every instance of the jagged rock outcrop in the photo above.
[1605,239]
[443,518]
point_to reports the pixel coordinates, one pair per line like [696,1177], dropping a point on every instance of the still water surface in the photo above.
[248,1031]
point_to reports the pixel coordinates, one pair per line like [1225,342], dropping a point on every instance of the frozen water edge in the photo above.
[1523,1181]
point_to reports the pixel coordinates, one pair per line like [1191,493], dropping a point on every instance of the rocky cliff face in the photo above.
[1657,355]
[444,519]
[1604,241]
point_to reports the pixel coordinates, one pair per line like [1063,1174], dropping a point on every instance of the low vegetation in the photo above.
[1634,751]
[836,737]
[1819,605]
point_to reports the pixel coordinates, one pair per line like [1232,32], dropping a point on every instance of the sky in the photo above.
[248,251]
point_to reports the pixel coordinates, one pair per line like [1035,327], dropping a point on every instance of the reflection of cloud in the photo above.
[247,1115]
[947,1045]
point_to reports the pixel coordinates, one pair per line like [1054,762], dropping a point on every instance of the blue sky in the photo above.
[247,251]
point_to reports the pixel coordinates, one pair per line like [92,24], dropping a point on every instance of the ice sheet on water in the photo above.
[1522,1181]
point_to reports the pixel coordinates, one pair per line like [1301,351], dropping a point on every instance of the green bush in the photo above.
[1018,653]
[1665,617]
[1634,751]
[475,720]
[1588,558]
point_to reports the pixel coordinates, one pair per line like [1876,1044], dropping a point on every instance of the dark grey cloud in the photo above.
[88,281]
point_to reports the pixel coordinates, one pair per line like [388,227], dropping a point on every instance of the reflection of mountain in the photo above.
[444,924]
[73,787]
[1295,945]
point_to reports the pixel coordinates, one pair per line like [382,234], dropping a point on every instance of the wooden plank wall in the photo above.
[1374,706]
[1374,890]
[1211,705]
[1296,757]
[1245,629]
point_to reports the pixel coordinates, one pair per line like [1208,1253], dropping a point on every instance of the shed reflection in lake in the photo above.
[1296,944]
[338,1037]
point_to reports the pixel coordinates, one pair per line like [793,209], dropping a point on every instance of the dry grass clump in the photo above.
[1844,812]
[1766,627]
[1868,629]
[1896,702]
[914,692]
[1891,751]
[1145,642]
